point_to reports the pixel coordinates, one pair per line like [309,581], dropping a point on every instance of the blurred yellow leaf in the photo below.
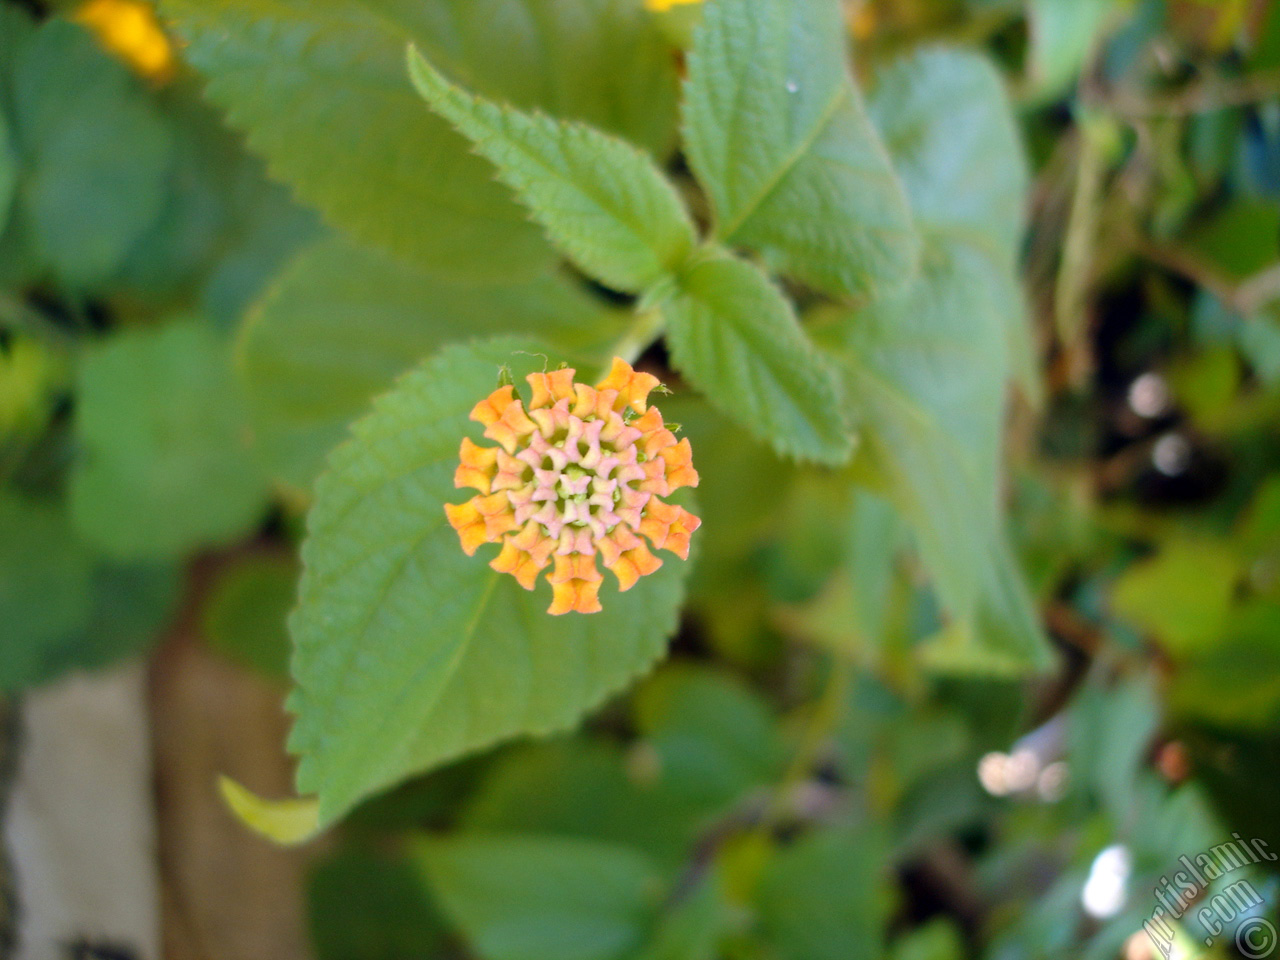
[1182,595]
[285,822]
[28,375]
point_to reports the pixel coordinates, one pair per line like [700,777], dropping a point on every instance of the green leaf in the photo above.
[602,201]
[872,541]
[851,614]
[943,804]
[426,802]
[218,202]
[711,734]
[949,125]
[46,584]
[938,939]
[16,27]
[596,790]
[926,371]
[924,742]
[369,906]
[542,898]
[1064,35]
[402,641]
[777,134]
[926,368]
[244,616]
[737,338]
[740,480]
[164,462]
[299,76]
[93,150]
[168,259]
[946,119]
[1259,339]
[8,171]
[1245,661]
[1183,595]
[267,229]
[809,541]
[1258,527]
[995,627]
[131,605]
[825,897]
[342,321]
[1110,734]
[603,62]
[62,609]
[573,787]
[693,927]
[1240,240]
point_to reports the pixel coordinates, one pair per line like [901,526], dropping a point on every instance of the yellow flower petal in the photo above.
[662,6]
[130,30]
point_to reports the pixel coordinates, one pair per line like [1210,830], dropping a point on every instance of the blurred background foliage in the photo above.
[176,354]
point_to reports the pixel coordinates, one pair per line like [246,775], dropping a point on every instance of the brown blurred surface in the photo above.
[226,894]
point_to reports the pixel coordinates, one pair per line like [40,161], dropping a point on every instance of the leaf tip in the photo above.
[426,79]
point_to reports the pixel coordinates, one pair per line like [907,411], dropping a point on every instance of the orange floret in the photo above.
[677,540]
[575,584]
[550,387]
[511,474]
[679,460]
[587,401]
[521,564]
[512,428]
[668,527]
[476,467]
[655,477]
[627,556]
[654,434]
[499,518]
[489,410]
[633,388]
[466,519]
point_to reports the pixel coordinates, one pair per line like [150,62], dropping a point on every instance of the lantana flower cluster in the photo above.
[578,474]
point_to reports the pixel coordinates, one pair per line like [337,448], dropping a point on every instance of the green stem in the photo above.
[647,327]
[827,712]
[1071,293]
